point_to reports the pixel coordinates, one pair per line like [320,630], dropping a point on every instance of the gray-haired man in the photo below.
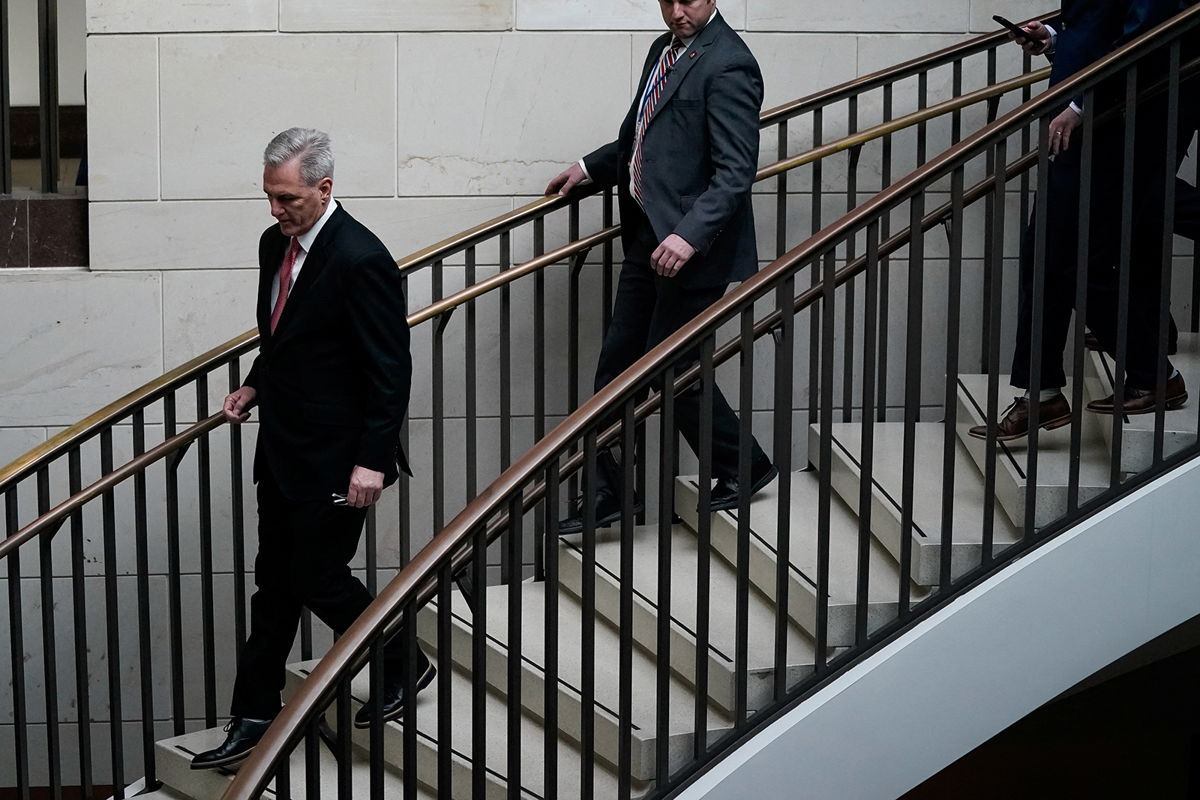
[331,382]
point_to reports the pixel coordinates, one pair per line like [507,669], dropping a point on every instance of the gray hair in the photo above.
[313,147]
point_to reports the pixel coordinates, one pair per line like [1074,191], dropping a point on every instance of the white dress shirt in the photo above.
[306,240]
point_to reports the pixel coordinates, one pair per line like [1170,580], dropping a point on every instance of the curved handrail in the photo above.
[72,436]
[350,650]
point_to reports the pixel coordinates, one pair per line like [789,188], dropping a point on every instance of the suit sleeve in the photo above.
[603,165]
[733,104]
[375,297]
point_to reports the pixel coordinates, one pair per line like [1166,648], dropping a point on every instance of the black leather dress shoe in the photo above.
[608,511]
[243,736]
[392,706]
[725,493]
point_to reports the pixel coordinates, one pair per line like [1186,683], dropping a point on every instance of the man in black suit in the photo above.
[683,164]
[331,382]
[1088,30]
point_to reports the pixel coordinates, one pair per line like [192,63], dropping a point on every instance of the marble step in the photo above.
[571,670]
[174,756]
[1053,460]
[531,745]
[802,538]
[887,472]
[1137,437]
[685,608]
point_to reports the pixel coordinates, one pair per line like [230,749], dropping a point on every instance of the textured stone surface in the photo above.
[58,231]
[84,341]
[387,15]
[521,113]
[620,15]
[14,232]
[123,113]
[214,131]
[153,16]
[857,15]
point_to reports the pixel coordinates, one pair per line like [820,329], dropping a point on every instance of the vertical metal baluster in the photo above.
[573,335]
[113,621]
[1026,143]
[625,618]
[989,264]
[283,780]
[6,185]
[997,166]
[411,723]
[1083,250]
[510,570]
[237,504]
[850,303]
[922,126]
[1038,301]
[866,478]
[479,651]
[666,505]
[79,601]
[550,662]
[469,366]
[814,332]
[375,754]
[174,572]
[17,653]
[345,743]
[403,482]
[204,480]
[48,83]
[515,645]
[445,676]
[145,646]
[884,281]
[438,377]
[1168,242]
[607,253]
[741,649]
[704,546]
[539,381]
[49,641]
[312,761]
[957,90]
[587,649]
[1124,271]
[953,329]
[825,458]
[781,195]
[781,454]
[912,394]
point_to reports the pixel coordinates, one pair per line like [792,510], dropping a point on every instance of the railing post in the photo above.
[48,81]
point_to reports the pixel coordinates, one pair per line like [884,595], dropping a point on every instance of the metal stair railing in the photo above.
[522,507]
[94,478]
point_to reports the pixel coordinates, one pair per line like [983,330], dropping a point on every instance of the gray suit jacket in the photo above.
[699,155]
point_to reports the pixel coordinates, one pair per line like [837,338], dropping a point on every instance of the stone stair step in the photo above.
[644,722]
[887,482]
[685,607]
[802,538]
[1012,458]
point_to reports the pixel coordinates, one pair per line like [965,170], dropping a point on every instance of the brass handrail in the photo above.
[350,650]
[71,436]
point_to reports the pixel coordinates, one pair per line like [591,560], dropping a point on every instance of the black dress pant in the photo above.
[1144,361]
[304,552]
[648,309]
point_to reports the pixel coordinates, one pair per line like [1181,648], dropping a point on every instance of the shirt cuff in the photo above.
[587,178]
[1076,108]
[1049,51]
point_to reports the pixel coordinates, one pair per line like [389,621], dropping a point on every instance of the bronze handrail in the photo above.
[350,649]
[63,441]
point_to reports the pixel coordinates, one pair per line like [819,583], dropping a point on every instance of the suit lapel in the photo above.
[314,264]
[685,63]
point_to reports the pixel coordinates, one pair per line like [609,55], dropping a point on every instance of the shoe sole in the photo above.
[423,681]
[755,488]
[227,762]
[606,521]
[1048,425]
[1173,404]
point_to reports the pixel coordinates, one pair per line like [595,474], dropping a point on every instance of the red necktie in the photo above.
[285,281]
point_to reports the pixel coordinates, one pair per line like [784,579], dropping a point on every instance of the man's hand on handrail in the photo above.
[237,405]
[565,181]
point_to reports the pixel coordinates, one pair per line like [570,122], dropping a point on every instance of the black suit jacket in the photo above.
[333,381]
[699,155]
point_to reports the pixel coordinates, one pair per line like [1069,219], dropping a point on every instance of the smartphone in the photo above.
[1016,31]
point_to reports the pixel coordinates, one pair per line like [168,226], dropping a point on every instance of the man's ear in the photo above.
[325,187]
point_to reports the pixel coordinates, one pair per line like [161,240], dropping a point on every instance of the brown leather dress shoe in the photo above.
[1052,413]
[1143,401]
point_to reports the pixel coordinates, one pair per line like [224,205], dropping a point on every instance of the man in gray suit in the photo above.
[683,164]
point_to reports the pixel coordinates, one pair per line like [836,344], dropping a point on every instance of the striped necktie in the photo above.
[654,89]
